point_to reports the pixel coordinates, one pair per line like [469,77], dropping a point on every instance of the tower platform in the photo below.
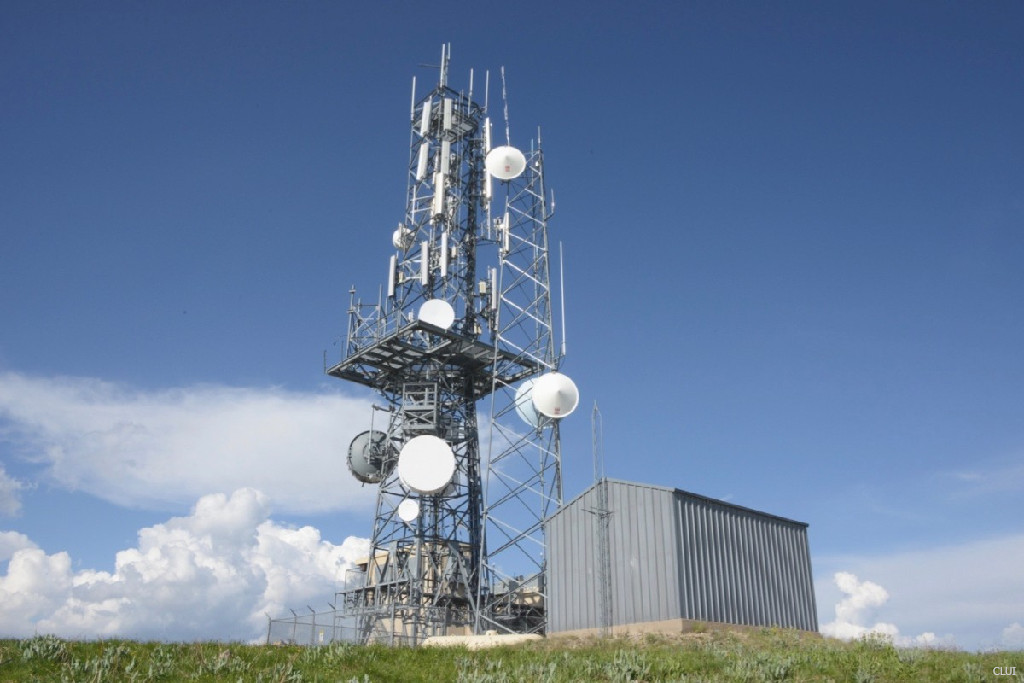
[401,356]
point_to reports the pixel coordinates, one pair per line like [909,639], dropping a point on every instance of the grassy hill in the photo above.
[765,655]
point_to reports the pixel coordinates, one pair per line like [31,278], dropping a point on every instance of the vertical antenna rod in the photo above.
[446,54]
[604,588]
[412,101]
[561,292]
[504,98]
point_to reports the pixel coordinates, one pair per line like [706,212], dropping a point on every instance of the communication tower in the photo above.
[463,328]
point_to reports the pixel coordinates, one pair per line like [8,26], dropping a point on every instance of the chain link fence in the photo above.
[315,629]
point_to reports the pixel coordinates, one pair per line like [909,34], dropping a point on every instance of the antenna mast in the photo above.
[457,544]
[601,547]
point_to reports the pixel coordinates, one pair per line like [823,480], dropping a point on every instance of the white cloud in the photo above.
[855,610]
[34,586]
[166,448]
[11,541]
[211,575]
[10,499]
[967,592]
[1013,636]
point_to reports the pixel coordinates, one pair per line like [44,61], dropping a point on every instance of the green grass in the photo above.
[766,655]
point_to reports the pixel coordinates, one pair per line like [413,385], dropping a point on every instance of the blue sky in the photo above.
[793,253]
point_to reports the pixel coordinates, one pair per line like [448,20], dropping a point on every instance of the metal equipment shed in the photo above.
[664,554]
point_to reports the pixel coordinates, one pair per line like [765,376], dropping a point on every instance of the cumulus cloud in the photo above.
[968,591]
[211,575]
[858,607]
[168,447]
[11,541]
[855,609]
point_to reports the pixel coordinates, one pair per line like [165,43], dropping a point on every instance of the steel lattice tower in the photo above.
[465,323]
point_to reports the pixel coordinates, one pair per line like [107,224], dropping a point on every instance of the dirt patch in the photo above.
[480,642]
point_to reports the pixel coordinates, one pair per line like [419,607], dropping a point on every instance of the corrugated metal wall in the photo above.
[678,555]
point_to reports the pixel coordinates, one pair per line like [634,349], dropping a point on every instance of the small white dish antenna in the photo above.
[505,162]
[426,464]
[524,404]
[555,395]
[408,510]
[368,457]
[438,313]
[402,237]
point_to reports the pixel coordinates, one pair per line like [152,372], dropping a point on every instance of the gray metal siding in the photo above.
[641,539]
[743,567]
[571,566]
[678,555]
[641,536]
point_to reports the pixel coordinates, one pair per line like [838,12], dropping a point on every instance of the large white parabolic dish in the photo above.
[426,464]
[555,395]
[505,162]
[524,404]
[437,312]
